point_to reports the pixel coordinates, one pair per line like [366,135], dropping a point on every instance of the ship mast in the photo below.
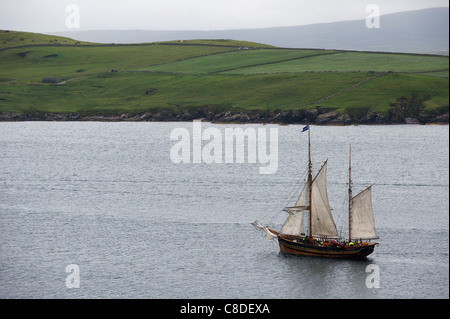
[350,195]
[310,183]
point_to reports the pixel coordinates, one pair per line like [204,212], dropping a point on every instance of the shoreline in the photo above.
[315,116]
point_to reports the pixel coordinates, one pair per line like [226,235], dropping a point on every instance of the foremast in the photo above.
[361,222]
[310,182]
[350,195]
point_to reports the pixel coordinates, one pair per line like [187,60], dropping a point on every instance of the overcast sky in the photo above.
[51,15]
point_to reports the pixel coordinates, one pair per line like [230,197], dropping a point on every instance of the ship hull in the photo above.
[288,246]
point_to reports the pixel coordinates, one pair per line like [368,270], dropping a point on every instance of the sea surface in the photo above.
[109,199]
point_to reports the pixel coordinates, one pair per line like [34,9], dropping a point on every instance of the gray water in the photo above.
[108,198]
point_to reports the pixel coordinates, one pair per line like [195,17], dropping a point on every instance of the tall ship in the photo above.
[310,229]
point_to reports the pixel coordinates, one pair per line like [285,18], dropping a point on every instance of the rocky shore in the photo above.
[316,116]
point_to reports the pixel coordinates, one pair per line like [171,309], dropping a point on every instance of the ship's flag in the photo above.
[305,128]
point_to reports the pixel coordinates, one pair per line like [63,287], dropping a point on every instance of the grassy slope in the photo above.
[73,62]
[15,38]
[214,74]
[382,92]
[238,60]
[354,61]
[125,92]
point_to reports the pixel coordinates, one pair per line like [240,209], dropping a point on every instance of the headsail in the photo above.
[268,234]
[257,225]
[294,222]
[362,221]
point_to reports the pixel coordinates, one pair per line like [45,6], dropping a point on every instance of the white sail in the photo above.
[294,222]
[362,220]
[268,234]
[322,219]
[257,225]
[303,199]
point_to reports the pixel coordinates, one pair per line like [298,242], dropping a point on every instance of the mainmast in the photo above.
[310,183]
[350,195]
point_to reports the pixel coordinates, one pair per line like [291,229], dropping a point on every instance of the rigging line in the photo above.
[296,186]
[340,215]
[296,189]
[292,194]
[299,179]
[275,207]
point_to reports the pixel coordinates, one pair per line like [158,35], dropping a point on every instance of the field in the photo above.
[225,75]
[354,61]
[233,62]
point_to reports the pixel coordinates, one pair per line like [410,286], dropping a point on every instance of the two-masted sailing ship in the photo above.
[310,228]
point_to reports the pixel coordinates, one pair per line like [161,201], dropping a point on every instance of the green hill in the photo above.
[219,80]
[16,38]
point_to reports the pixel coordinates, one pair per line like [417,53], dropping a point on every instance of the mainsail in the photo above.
[322,220]
[362,220]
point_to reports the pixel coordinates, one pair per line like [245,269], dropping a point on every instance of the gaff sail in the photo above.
[362,220]
[322,219]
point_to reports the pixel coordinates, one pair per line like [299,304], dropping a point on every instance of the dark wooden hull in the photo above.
[293,247]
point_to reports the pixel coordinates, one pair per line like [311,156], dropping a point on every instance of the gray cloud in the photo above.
[50,15]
